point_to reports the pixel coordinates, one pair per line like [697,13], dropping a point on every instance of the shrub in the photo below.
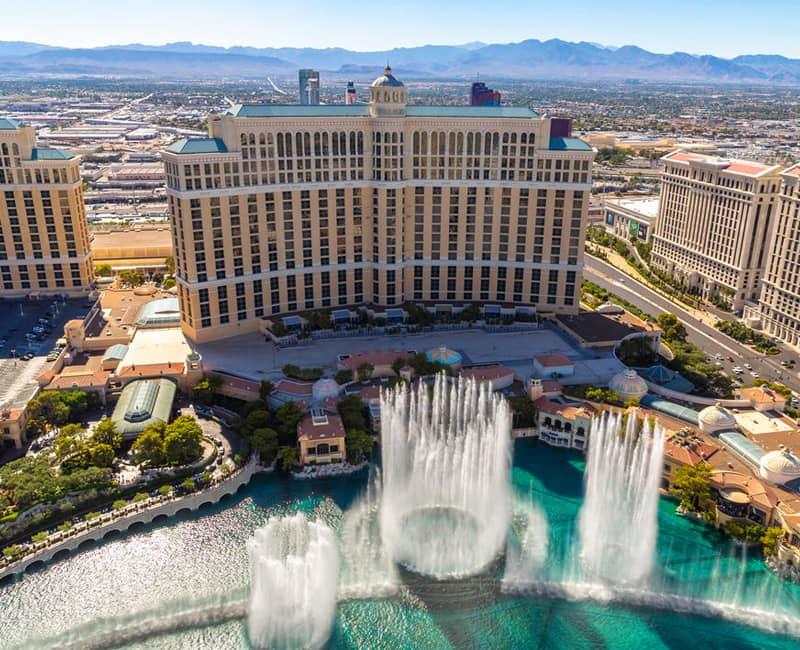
[164,490]
[303,374]
[39,537]
[188,484]
[64,526]
[119,504]
[140,496]
[12,551]
[91,515]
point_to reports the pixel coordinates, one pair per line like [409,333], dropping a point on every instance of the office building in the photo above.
[289,208]
[631,218]
[778,312]
[481,95]
[44,240]
[715,220]
[350,93]
[309,86]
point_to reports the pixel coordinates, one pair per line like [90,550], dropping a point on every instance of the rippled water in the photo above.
[199,563]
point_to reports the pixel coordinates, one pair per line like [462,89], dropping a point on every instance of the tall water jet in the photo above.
[294,567]
[618,522]
[446,476]
[526,550]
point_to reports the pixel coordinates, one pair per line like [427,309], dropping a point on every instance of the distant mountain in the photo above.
[529,59]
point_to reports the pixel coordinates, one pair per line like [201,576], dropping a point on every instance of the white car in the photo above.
[737,370]
[748,366]
[753,373]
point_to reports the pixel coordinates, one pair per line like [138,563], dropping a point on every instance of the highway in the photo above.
[708,338]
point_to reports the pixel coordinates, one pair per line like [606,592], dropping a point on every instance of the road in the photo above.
[708,338]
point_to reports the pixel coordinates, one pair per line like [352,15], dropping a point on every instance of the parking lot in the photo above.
[17,338]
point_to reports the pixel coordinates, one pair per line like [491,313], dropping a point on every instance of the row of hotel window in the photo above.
[33,215]
[42,280]
[351,291]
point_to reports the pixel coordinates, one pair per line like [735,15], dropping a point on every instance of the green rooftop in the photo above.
[143,402]
[199,145]
[569,144]
[7,124]
[45,153]
[362,110]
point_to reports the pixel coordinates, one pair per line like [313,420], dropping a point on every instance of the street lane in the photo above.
[708,338]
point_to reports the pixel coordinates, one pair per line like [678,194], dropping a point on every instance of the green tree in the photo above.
[287,458]
[287,417]
[265,442]
[102,455]
[769,540]
[524,411]
[48,407]
[167,284]
[344,376]
[673,329]
[265,389]
[182,440]
[692,485]
[148,448]
[119,504]
[103,270]
[631,402]
[359,444]
[131,278]
[351,410]
[260,419]
[169,262]
[364,371]
[106,433]
[39,537]
[279,329]
[203,391]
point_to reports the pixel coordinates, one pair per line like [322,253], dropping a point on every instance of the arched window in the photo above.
[243,139]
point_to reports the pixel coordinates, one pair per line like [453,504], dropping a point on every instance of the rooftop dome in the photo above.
[444,355]
[387,79]
[715,418]
[780,466]
[628,384]
[324,389]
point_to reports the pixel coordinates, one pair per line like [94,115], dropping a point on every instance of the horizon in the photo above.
[414,23]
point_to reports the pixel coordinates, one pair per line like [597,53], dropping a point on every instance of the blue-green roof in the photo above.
[362,110]
[199,145]
[7,124]
[43,153]
[115,352]
[670,408]
[158,313]
[744,447]
[568,144]
[143,402]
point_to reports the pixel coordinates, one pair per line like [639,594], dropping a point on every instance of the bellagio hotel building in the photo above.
[44,240]
[284,209]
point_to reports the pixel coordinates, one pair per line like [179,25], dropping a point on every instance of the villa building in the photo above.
[715,222]
[320,438]
[44,240]
[285,208]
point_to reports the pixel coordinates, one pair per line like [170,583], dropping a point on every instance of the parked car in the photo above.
[748,366]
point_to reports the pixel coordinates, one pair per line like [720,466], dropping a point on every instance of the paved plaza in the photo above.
[252,357]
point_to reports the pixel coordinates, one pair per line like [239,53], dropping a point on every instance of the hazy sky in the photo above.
[721,27]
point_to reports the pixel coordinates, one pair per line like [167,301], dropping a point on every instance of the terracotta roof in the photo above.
[761,395]
[553,360]
[151,370]
[760,493]
[551,386]
[63,382]
[793,171]
[689,453]
[487,373]
[239,383]
[745,167]
[369,393]
[568,411]
[333,428]
[376,358]
[293,387]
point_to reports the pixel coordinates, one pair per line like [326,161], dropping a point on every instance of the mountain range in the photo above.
[529,59]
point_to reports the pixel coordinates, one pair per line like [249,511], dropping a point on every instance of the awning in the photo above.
[292,321]
[341,314]
[394,313]
[491,309]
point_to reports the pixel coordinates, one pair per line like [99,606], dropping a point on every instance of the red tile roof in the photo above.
[376,358]
[553,360]
[292,387]
[487,373]
[333,428]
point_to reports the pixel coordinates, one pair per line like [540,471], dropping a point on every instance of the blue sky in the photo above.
[721,27]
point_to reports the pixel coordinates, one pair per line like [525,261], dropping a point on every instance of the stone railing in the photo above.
[133,514]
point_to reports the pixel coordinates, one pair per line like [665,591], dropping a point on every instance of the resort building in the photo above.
[320,438]
[715,222]
[631,218]
[44,240]
[285,208]
[742,497]
[142,403]
[778,312]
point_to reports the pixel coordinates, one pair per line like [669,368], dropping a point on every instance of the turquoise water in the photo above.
[165,569]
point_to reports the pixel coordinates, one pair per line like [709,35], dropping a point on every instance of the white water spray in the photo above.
[618,522]
[446,477]
[294,565]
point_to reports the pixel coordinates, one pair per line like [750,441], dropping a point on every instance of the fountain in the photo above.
[446,502]
[526,550]
[618,520]
[294,566]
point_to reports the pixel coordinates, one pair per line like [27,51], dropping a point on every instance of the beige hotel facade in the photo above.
[44,240]
[715,224]
[284,209]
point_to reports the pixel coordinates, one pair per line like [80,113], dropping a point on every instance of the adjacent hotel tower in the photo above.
[715,223]
[44,241]
[290,208]
[778,312]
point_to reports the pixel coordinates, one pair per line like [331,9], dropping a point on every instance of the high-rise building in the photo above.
[309,86]
[481,95]
[44,240]
[715,220]
[290,208]
[350,93]
[778,312]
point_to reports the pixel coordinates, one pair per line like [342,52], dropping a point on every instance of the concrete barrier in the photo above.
[101,528]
